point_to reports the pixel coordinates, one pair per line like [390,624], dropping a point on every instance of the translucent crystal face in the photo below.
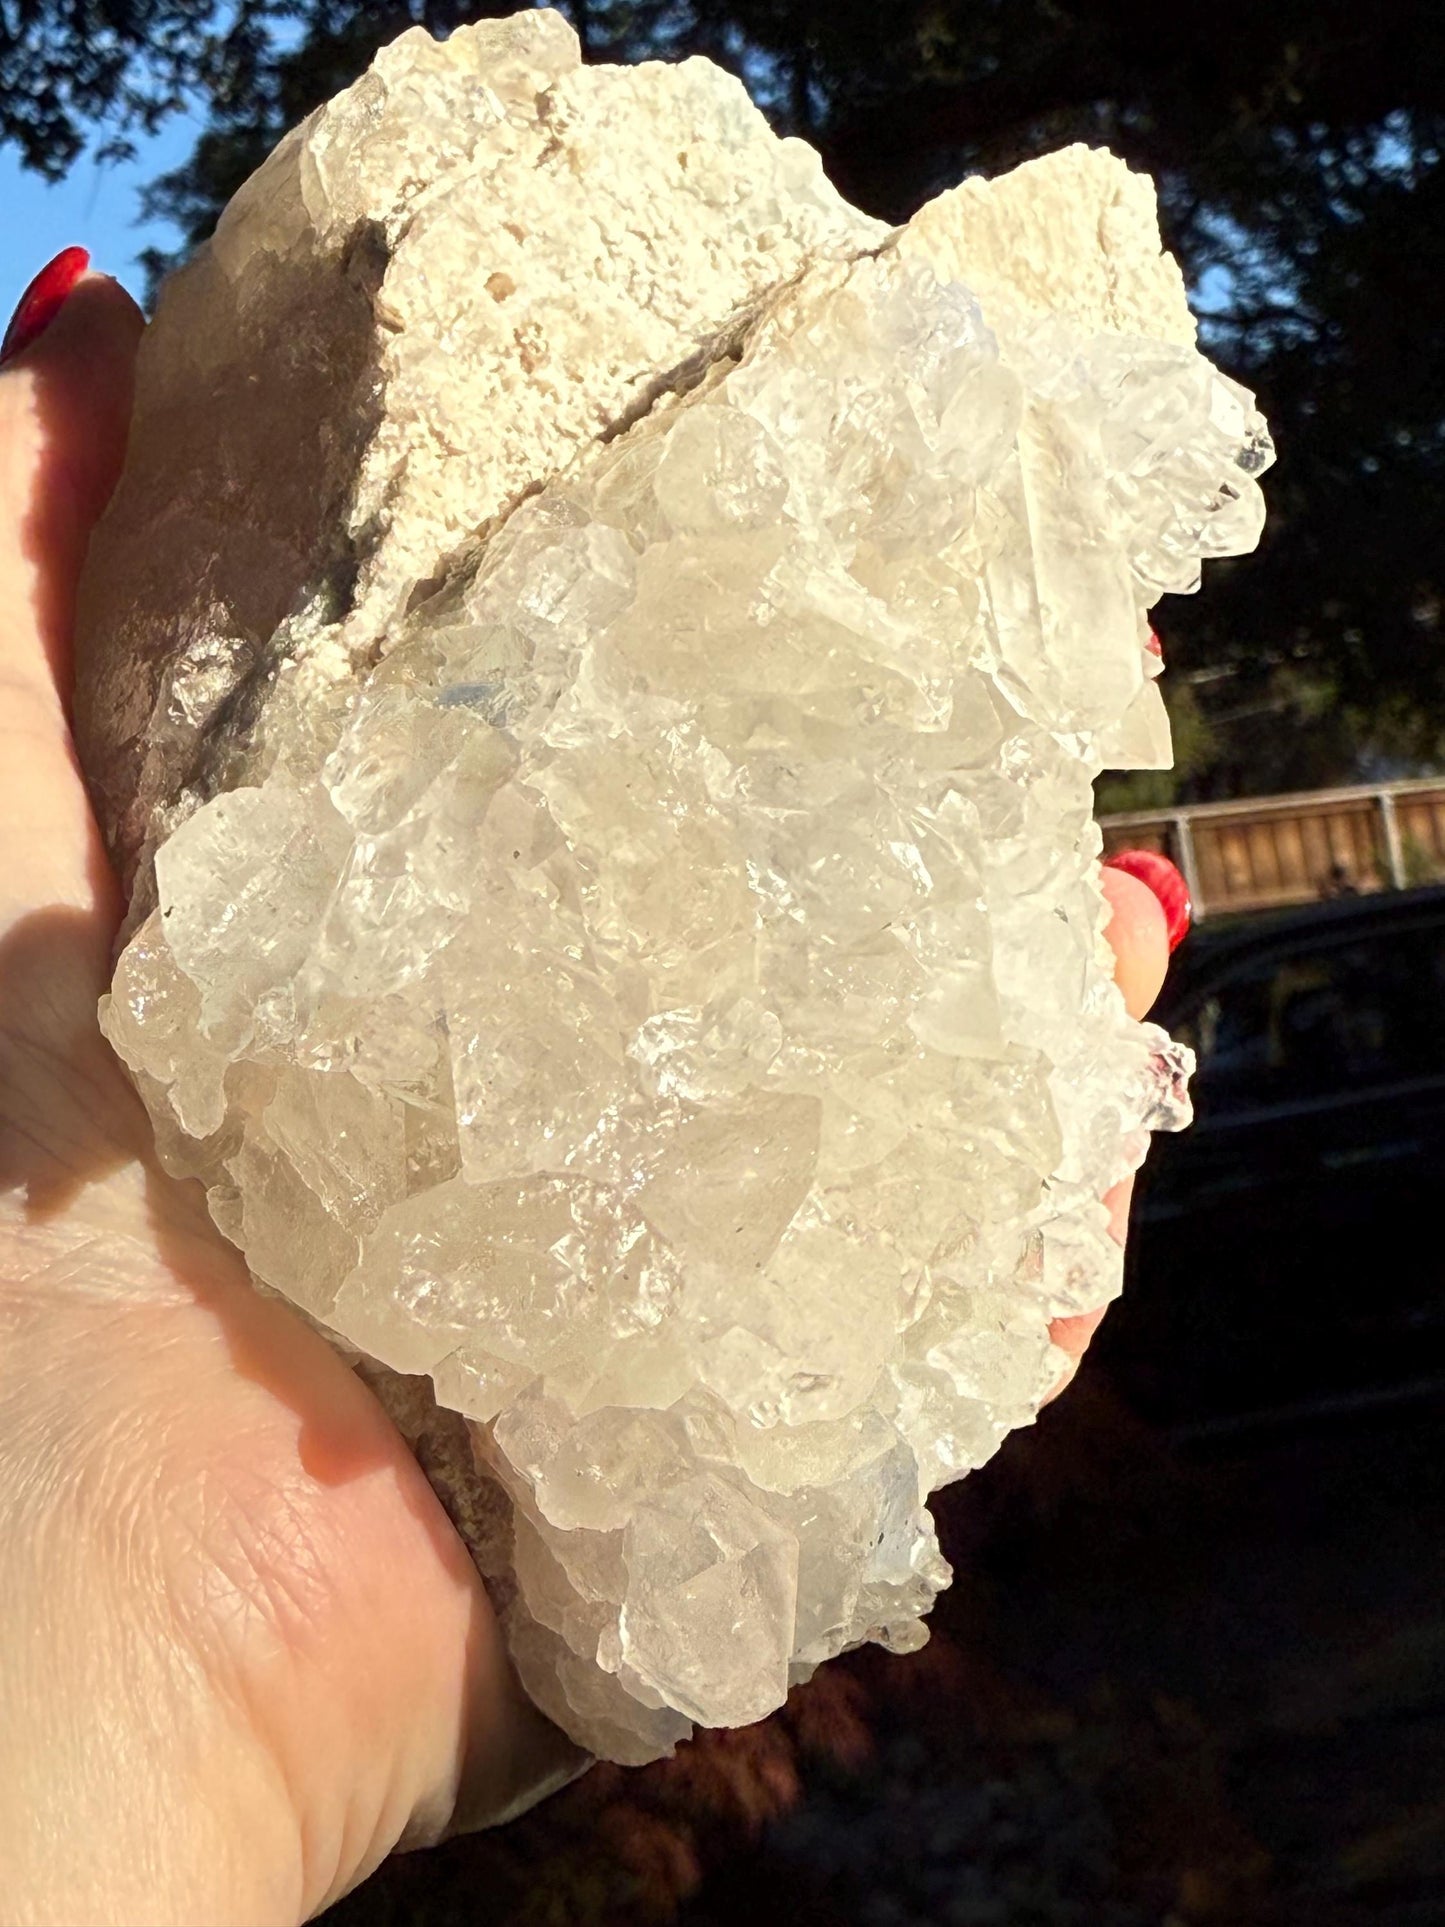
[667,1005]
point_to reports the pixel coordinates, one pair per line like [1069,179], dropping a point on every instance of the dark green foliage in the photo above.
[1298,152]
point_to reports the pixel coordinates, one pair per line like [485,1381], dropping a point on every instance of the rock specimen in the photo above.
[594,675]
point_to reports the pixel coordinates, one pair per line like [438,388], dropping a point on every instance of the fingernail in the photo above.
[42,301]
[1167,884]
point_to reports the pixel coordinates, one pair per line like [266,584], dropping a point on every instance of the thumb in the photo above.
[65,401]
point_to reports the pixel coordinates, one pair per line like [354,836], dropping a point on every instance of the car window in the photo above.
[1348,1016]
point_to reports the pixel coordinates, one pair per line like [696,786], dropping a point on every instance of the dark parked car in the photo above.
[1287,1250]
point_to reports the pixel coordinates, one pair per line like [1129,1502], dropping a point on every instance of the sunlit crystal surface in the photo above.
[656,987]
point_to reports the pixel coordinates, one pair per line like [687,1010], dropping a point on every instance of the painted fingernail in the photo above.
[1154,646]
[1167,884]
[42,301]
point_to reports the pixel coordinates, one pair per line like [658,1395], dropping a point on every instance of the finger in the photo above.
[65,407]
[1072,1334]
[1138,931]
[64,414]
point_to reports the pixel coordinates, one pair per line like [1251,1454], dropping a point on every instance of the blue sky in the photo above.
[93,207]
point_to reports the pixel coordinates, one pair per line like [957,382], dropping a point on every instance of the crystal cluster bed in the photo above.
[594,676]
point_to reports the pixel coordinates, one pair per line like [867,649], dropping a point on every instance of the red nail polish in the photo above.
[1154,645]
[1165,881]
[42,301]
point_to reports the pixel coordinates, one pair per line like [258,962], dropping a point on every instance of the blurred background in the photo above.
[1193,1666]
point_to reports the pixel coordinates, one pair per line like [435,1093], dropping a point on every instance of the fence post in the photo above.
[1394,849]
[1184,844]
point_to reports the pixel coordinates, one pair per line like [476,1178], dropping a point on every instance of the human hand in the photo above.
[242,1652]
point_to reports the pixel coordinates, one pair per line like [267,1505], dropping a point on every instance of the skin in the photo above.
[242,1653]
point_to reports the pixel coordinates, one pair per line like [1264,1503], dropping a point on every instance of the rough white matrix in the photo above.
[595,672]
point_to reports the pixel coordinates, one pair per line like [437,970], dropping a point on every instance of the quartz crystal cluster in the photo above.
[616,924]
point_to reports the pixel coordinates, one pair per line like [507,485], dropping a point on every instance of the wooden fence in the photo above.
[1271,851]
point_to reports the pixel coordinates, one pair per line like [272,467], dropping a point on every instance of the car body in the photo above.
[1287,1248]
